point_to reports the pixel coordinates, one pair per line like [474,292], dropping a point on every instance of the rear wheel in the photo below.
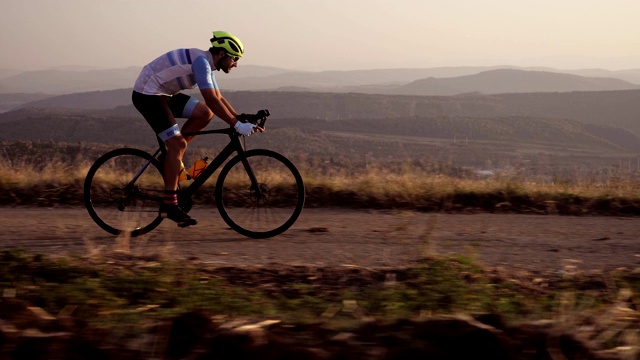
[267,208]
[115,203]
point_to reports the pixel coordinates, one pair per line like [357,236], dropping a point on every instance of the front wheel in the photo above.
[123,191]
[267,207]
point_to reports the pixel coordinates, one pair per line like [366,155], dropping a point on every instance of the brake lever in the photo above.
[263,117]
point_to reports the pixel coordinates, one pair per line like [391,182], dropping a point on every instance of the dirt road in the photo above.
[335,237]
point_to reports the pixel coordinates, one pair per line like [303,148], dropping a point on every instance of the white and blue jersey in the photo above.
[175,71]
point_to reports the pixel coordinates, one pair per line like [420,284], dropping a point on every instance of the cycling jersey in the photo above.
[175,71]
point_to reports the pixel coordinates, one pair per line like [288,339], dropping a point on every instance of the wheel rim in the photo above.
[116,207]
[267,210]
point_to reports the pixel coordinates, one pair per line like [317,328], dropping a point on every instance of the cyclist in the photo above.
[157,96]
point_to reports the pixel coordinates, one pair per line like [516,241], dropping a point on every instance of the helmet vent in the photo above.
[228,42]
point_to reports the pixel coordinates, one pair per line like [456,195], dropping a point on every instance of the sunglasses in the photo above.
[234,58]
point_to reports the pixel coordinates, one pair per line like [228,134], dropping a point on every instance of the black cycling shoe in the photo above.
[173,212]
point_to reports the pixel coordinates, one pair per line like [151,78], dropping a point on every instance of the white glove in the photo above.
[245,129]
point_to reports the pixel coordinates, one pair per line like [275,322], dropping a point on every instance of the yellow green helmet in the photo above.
[231,44]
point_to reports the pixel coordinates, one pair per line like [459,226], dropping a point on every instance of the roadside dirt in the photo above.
[339,244]
[336,237]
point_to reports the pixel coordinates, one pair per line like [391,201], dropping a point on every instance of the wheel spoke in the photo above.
[268,209]
[116,206]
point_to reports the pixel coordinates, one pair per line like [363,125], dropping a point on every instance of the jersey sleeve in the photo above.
[204,76]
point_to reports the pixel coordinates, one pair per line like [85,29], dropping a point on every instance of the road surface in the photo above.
[337,237]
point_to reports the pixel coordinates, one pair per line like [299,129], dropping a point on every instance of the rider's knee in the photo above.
[177,144]
[202,113]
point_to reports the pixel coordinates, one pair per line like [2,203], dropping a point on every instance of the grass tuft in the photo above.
[48,174]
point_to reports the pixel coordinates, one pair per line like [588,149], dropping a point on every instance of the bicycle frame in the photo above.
[234,146]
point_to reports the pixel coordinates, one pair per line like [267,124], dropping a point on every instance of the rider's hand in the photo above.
[245,129]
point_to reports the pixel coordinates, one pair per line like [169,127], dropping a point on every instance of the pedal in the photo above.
[187,223]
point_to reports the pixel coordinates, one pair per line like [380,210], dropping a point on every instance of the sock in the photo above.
[170,197]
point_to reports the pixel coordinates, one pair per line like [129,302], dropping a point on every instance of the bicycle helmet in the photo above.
[231,44]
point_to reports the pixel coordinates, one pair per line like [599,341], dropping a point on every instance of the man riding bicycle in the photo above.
[157,96]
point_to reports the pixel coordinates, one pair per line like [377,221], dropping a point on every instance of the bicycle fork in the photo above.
[240,150]
[255,186]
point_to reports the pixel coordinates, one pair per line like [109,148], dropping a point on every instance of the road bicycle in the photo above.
[259,193]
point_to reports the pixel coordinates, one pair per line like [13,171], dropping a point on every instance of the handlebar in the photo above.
[257,119]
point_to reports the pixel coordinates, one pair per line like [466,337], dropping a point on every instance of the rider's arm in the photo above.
[211,93]
[229,107]
[218,105]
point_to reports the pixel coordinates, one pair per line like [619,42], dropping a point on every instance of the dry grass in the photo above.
[405,187]
[405,182]
[54,173]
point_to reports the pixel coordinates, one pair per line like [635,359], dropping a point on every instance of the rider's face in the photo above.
[228,63]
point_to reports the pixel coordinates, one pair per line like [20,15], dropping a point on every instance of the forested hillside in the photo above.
[409,137]
[107,127]
[612,108]
[544,130]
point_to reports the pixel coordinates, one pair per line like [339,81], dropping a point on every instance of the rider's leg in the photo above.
[170,209]
[160,112]
[199,119]
[176,146]
[199,116]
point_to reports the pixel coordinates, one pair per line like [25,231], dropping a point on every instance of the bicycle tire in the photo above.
[270,215]
[114,208]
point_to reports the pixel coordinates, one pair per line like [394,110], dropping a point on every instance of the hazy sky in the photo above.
[326,34]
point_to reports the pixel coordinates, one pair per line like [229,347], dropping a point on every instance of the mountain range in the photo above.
[614,108]
[427,81]
[473,114]
[510,81]
[610,116]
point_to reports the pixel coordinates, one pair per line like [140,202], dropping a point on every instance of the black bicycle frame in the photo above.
[234,146]
[144,167]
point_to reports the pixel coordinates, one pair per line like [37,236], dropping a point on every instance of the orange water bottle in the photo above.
[183,173]
[196,169]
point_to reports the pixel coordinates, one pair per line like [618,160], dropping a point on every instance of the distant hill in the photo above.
[101,127]
[629,75]
[65,80]
[615,108]
[106,99]
[10,101]
[549,147]
[76,126]
[510,81]
[444,79]
[8,72]
[368,81]
[244,71]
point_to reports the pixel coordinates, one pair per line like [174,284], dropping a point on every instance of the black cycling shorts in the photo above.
[161,111]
